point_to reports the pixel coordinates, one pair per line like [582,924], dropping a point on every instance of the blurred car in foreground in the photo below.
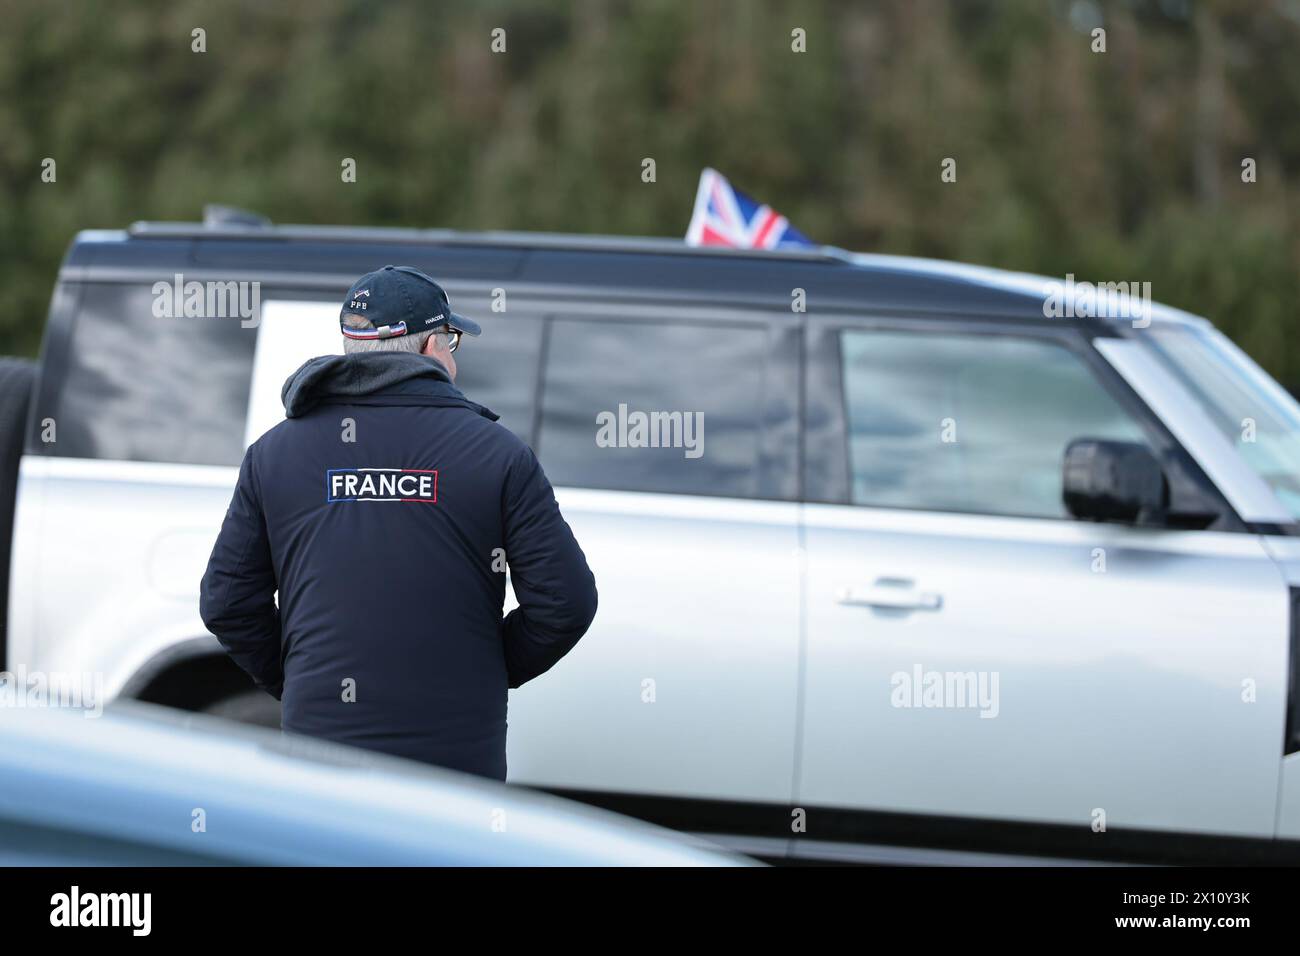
[148,786]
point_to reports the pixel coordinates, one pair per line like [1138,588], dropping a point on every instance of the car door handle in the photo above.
[890,595]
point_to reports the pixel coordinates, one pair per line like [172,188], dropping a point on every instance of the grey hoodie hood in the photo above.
[363,375]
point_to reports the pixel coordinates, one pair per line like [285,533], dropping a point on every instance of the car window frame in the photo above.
[827,467]
[53,363]
[780,450]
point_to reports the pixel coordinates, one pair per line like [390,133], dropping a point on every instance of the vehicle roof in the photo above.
[136,772]
[333,256]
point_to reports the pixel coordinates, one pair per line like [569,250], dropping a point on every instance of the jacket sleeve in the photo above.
[237,594]
[555,588]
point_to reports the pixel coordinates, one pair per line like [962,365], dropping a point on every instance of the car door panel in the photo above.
[687,683]
[967,660]
[1123,691]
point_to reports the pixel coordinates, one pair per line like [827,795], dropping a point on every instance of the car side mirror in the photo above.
[1113,481]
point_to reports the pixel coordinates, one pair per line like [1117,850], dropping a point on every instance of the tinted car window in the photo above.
[143,388]
[499,368]
[614,390]
[968,423]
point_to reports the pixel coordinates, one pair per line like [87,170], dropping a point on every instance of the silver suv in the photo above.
[900,555]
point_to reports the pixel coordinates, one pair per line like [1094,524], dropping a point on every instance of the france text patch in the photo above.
[411,485]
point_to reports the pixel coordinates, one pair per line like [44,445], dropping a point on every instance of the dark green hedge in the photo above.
[1123,165]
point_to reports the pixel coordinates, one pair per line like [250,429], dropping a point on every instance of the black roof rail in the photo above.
[228,222]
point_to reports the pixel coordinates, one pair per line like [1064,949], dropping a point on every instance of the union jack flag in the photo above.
[724,216]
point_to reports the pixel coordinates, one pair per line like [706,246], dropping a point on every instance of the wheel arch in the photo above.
[189,675]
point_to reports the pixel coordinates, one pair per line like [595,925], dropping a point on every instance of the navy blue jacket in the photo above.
[388,553]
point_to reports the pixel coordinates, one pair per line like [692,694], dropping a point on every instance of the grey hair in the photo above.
[398,343]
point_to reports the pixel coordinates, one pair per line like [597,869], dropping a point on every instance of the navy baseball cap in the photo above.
[399,300]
